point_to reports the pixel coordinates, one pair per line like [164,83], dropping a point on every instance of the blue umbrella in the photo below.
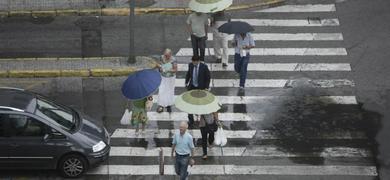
[141,84]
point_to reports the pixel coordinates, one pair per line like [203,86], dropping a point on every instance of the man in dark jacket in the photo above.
[197,77]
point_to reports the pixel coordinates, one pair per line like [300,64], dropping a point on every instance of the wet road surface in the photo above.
[302,130]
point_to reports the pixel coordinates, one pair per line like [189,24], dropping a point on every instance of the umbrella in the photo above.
[197,102]
[141,84]
[209,6]
[235,27]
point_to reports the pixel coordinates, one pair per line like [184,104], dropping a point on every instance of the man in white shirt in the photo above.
[197,24]
[243,43]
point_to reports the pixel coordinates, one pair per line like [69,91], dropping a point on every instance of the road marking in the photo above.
[252,151]
[289,22]
[275,83]
[180,116]
[166,133]
[289,37]
[291,67]
[302,8]
[270,99]
[238,170]
[242,134]
[277,52]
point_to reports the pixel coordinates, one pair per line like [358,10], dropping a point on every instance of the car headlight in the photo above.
[99,146]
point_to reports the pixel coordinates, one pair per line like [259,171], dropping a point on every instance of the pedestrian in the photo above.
[139,113]
[183,150]
[166,92]
[243,43]
[197,25]
[208,125]
[220,39]
[197,77]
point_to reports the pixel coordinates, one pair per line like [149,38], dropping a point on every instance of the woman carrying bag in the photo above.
[208,124]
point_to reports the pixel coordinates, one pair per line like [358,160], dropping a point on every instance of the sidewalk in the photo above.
[70,67]
[110,7]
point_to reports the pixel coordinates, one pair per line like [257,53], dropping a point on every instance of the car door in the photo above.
[4,144]
[29,146]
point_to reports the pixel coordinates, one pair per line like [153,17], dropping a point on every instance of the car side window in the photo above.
[24,126]
[2,125]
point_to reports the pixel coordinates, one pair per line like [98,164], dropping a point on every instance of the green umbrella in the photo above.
[209,6]
[197,102]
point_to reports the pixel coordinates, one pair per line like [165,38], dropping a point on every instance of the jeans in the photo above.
[241,67]
[181,166]
[204,131]
[198,43]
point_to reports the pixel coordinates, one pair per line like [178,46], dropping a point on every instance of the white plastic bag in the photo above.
[126,117]
[220,137]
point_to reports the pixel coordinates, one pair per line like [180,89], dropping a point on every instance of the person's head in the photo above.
[183,127]
[195,60]
[167,53]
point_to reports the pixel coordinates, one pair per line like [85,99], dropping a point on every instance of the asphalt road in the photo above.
[363,24]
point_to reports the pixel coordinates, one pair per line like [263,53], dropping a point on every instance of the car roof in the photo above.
[15,99]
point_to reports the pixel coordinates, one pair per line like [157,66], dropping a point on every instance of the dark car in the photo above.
[37,133]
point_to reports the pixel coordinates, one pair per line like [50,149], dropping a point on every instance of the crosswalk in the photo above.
[266,138]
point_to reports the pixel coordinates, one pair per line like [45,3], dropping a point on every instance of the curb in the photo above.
[126,11]
[67,73]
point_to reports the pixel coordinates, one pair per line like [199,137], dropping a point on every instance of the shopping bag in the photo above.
[126,117]
[220,137]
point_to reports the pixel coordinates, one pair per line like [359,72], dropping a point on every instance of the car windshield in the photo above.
[56,114]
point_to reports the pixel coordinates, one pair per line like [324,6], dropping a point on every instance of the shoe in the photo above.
[160,109]
[224,65]
[242,87]
[169,109]
[204,157]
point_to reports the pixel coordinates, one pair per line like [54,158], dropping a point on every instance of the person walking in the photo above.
[197,77]
[243,43]
[183,150]
[166,92]
[139,114]
[208,125]
[220,39]
[197,25]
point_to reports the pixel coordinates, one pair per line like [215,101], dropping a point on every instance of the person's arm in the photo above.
[251,42]
[188,75]
[207,77]
[174,69]
[173,145]
[189,28]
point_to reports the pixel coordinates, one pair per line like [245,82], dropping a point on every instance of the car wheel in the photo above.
[72,166]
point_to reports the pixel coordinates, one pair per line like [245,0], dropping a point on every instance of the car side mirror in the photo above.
[53,134]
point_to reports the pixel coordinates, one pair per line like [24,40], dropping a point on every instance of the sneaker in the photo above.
[169,109]
[204,157]
[160,109]
[224,65]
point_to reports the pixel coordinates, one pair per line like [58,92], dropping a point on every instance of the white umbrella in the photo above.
[209,6]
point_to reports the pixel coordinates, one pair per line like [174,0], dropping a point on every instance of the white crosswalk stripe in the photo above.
[278,67]
[304,170]
[274,83]
[290,37]
[269,99]
[231,134]
[287,31]
[277,52]
[254,151]
[290,22]
[301,8]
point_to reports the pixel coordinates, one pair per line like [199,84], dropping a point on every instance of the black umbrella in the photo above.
[235,27]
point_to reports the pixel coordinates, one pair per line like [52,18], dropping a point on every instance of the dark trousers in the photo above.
[198,43]
[191,116]
[206,135]
[241,67]
[181,166]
